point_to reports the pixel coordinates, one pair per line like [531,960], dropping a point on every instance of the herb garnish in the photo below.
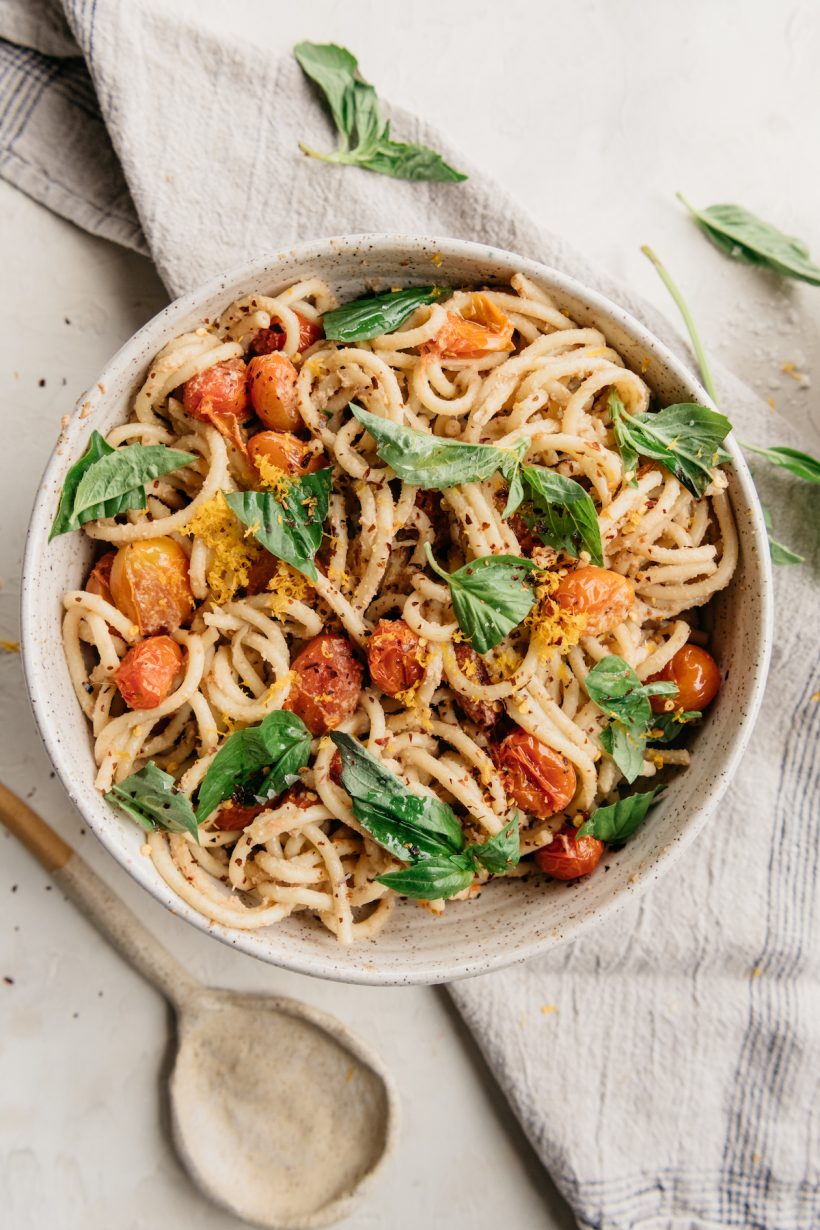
[279,746]
[108,481]
[618,821]
[684,438]
[364,133]
[490,596]
[375,315]
[745,237]
[562,513]
[618,692]
[418,829]
[152,799]
[802,465]
[290,528]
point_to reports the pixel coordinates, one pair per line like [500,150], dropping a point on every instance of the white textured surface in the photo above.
[553,100]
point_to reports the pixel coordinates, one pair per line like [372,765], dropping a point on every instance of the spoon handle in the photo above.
[100,905]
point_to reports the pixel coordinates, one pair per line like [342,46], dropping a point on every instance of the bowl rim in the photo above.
[315,962]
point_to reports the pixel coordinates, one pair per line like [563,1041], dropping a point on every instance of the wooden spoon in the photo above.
[279,1113]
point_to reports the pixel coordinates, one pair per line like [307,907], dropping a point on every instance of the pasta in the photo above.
[189,630]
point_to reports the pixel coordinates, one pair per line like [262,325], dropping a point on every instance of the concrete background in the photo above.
[593,113]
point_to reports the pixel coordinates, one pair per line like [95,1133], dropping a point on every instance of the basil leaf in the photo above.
[803,465]
[490,596]
[500,852]
[745,237]
[684,438]
[405,823]
[290,529]
[364,133]
[617,822]
[124,470]
[665,727]
[281,743]
[564,514]
[618,692]
[151,798]
[430,879]
[428,461]
[66,519]
[626,747]
[375,315]
[780,554]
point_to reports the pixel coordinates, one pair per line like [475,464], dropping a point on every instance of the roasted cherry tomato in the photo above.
[272,384]
[232,816]
[569,856]
[219,396]
[263,569]
[147,672]
[605,597]
[285,451]
[697,676]
[335,768]
[99,582]
[269,340]
[394,655]
[150,584]
[481,712]
[328,683]
[526,538]
[539,779]
[300,796]
[478,329]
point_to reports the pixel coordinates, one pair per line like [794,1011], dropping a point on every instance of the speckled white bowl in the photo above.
[509,921]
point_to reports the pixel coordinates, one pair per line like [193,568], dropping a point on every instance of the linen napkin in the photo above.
[665,1068]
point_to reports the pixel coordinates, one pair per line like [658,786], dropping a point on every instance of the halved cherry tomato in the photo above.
[328,683]
[394,655]
[539,779]
[697,676]
[285,451]
[219,396]
[569,856]
[99,581]
[147,672]
[481,712]
[272,384]
[269,340]
[478,329]
[605,597]
[150,584]
[233,816]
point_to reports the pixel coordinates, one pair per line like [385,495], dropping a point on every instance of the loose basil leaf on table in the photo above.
[490,596]
[665,727]
[618,821]
[780,553]
[745,237]
[684,438]
[152,799]
[290,528]
[429,461]
[364,133]
[563,514]
[107,481]
[803,465]
[280,744]
[375,315]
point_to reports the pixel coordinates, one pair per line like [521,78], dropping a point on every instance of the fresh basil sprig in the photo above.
[802,465]
[618,692]
[745,237]
[364,133]
[152,799]
[563,514]
[418,829]
[290,527]
[618,821]
[375,315]
[108,481]
[490,595]
[262,760]
[429,461]
[780,553]
[665,727]
[684,438]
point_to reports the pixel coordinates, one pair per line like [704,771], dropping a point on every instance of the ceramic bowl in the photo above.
[509,921]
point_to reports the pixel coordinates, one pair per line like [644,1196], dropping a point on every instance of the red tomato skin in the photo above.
[328,683]
[482,712]
[568,856]
[272,386]
[233,817]
[539,779]
[269,340]
[604,596]
[147,672]
[99,580]
[394,656]
[220,391]
[697,676]
[285,451]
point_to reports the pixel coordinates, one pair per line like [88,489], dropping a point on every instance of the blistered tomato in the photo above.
[99,581]
[482,712]
[568,856]
[539,779]
[272,384]
[150,584]
[267,341]
[697,676]
[328,683]
[478,329]
[146,674]
[285,451]
[219,396]
[605,597]
[394,655]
